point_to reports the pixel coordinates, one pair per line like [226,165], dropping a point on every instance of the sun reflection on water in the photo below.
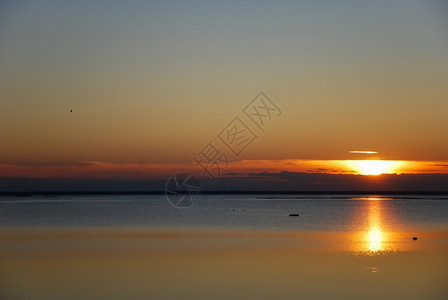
[378,229]
[375,239]
[375,235]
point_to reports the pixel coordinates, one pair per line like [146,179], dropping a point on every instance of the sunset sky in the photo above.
[150,83]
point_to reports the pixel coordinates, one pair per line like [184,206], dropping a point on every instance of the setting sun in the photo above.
[374,167]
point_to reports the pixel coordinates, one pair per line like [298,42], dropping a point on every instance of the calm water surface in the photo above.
[317,212]
[224,247]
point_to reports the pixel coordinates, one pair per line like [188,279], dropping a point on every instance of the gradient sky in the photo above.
[153,81]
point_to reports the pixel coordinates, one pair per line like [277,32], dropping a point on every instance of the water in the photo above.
[341,213]
[224,247]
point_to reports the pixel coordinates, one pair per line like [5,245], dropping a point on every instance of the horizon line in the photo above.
[347,192]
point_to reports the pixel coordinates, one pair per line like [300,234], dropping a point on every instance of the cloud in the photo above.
[362,152]
[322,182]
[284,181]
[98,169]
[243,168]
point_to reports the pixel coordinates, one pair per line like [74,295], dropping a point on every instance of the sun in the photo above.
[374,167]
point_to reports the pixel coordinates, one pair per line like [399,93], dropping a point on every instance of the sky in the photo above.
[150,83]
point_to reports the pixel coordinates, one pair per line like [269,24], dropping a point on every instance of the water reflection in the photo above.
[374,236]
[375,239]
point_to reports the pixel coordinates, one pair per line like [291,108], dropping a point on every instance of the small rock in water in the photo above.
[294,215]
[415,238]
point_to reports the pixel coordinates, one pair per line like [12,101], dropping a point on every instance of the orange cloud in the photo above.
[94,169]
[97,169]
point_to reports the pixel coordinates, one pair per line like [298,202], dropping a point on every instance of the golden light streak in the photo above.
[362,152]
[374,236]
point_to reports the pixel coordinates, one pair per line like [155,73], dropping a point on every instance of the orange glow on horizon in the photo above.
[98,169]
[374,167]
